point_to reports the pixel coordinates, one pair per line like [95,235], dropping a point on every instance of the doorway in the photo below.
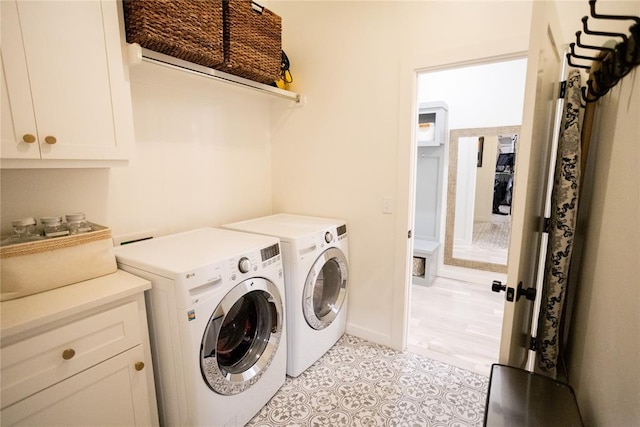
[483,107]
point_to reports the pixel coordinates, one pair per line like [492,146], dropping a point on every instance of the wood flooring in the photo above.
[458,323]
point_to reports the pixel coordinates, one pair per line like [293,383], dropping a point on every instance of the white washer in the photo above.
[217,323]
[315,256]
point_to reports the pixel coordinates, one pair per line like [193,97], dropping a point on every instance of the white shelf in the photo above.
[138,54]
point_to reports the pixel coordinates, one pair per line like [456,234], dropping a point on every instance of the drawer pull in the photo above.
[68,354]
[50,140]
[28,138]
[139,366]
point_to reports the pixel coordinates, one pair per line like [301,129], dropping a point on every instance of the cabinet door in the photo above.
[113,393]
[75,70]
[17,110]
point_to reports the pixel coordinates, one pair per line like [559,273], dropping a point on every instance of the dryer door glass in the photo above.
[242,336]
[325,289]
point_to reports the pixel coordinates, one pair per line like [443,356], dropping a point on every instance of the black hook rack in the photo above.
[611,64]
[586,46]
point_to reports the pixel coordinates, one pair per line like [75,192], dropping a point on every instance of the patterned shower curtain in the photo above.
[564,203]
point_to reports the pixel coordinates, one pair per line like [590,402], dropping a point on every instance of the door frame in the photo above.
[543,44]
[500,50]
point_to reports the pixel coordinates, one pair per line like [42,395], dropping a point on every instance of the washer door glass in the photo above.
[242,337]
[325,289]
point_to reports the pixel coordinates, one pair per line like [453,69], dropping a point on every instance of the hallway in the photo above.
[455,322]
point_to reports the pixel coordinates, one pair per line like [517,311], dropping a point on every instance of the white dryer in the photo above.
[217,323]
[315,256]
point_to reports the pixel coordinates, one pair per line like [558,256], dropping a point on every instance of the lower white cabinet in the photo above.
[84,359]
[113,393]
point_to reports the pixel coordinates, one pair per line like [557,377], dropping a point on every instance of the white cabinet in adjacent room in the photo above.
[65,93]
[432,124]
[78,355]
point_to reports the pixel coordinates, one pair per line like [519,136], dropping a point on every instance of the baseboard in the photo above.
[470,275]
[369,335]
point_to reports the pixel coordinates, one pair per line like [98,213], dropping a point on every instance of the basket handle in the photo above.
[257,8]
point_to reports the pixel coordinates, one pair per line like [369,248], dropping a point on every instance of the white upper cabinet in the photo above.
[432,124]
[65,94]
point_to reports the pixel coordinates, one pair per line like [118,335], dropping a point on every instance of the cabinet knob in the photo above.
[68,354]
[50,139]
[139,366]
[28,138]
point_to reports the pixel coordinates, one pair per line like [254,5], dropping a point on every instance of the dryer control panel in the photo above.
[270,253]
[342,231]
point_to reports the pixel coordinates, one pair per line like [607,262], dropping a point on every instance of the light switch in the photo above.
[386,205]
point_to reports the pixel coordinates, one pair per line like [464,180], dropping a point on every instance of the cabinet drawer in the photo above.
[38,362]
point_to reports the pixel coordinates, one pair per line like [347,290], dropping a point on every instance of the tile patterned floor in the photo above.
[490,241]
[359,383]
[492,234]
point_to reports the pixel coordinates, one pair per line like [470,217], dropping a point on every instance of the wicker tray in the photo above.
[252,41]
[33,267]
[185,29]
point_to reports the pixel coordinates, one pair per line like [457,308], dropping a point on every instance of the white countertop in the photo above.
[26,313]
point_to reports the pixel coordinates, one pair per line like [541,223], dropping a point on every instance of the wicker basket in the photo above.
[33,267]
[185,29]
[252,41]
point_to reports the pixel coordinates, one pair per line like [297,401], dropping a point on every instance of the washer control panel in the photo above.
[252,262]
[244,265]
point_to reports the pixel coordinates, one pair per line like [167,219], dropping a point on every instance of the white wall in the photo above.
[338,156]
[604,351]
[483,95]
[202,157]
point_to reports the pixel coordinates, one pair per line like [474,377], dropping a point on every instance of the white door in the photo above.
[544,68]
